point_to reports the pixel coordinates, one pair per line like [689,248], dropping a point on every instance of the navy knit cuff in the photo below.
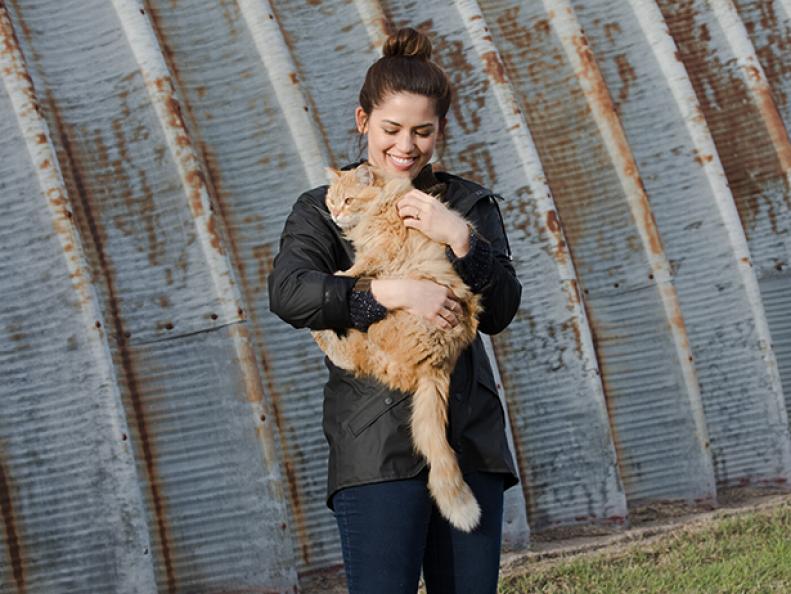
[476,267]
[364,309]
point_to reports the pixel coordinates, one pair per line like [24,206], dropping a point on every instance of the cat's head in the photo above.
[351,193]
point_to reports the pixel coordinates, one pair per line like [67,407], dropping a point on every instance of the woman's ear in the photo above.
[361,119]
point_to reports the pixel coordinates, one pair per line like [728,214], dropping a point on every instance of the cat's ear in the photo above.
[333,175]
[364,176]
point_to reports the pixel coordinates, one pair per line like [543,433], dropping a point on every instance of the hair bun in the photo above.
[409,43]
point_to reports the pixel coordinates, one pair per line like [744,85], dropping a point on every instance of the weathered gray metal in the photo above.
[740,110]
[701,236]
[150,154]
[207,469]
[630,300]
[71,510]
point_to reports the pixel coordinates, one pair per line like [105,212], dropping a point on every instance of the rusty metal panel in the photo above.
[216,506]
[702,237]
[71,510]
[244,106]
[646,175]
[630,300]
[738,102]
[190,381]
[546,357]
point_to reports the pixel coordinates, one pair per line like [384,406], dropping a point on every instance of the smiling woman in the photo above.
[377,483]
[402,132]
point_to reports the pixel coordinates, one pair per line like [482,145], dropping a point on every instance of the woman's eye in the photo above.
[391,132]
[423,134]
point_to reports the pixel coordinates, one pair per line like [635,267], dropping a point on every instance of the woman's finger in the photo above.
[448,316]
[409,211]
[453,306]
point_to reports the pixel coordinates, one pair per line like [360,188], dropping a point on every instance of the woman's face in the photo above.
[402,132]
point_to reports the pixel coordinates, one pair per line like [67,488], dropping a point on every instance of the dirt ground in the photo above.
[646,524]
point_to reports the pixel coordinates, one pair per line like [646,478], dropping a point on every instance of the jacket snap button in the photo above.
[388,400]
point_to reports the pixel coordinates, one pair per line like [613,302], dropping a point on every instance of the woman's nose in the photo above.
[405,143]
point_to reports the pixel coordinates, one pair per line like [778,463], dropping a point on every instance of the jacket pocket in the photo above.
[373,407]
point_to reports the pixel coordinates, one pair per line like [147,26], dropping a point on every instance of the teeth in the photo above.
[401,161]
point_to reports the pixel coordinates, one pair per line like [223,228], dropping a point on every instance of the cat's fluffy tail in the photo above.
[445,482]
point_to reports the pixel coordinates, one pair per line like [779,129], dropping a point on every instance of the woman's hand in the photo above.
[427,214]
[423,298]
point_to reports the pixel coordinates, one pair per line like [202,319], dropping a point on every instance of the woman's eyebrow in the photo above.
[392,123]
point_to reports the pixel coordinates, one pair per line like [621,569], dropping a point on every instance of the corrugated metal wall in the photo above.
[160,429]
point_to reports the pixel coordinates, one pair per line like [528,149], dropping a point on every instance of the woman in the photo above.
[388,526]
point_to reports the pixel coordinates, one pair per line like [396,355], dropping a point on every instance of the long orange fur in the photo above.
[403,351]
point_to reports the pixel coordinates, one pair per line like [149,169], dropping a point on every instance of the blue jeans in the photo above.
[389,529]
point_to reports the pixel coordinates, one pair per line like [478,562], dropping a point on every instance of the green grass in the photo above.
[748,553]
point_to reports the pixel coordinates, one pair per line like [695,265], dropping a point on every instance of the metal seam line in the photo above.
[274,53]
[138,570]
[590,78]
[375,21]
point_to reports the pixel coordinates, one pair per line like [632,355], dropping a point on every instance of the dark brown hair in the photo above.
[406,66]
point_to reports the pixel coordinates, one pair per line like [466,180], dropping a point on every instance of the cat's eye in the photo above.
[347,200]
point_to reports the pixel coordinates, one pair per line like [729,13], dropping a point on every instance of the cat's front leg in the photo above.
[336,348]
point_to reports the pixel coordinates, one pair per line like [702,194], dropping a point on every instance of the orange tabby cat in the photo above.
[404,351]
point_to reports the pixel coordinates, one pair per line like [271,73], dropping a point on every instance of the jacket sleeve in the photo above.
[303,289]
[501,291]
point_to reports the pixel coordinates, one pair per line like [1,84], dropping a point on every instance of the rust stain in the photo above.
[214,235]
[552,221]
[480,163]
[196,182]
[703,159]
[73,166]
[13,538]
[778,135]
[611,31]
[41,138]
[627,75]
[294,78]
[494,67]
[147,213]
[263,254]
[750,137]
